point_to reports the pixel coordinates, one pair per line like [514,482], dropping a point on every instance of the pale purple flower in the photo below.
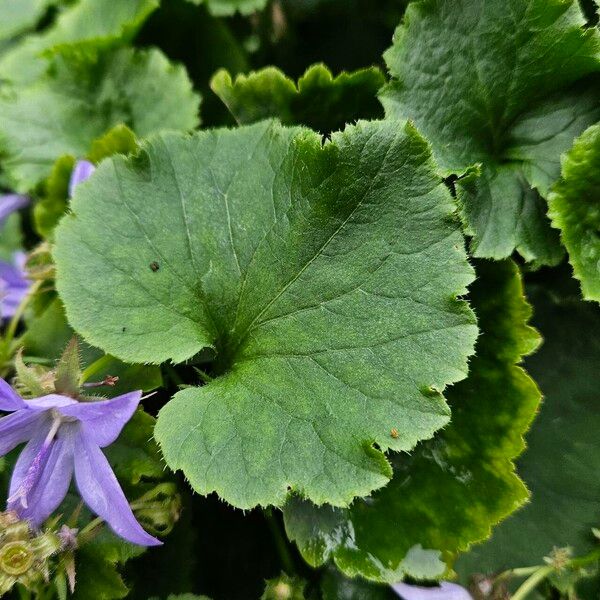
[81,171]
[64,438]
[14,285]
[445,591]
[9,203]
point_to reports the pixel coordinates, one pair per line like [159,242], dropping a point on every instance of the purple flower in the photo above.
[14,285]
[445,591]
[81,171]
[9,203]
[64,437]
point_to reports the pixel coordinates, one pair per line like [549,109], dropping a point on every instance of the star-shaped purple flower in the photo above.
[64,437]
[14,285]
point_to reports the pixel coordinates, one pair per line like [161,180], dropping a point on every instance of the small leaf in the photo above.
[18,17]
[506,85]
[87,24]
[119,140]
[452,489]
[319,100]
[575,210]
[83,97]
[53,197]
[324,276]
[28,378]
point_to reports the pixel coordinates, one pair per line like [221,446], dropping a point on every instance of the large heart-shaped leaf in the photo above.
[453,488]
[324,277]
[504,84]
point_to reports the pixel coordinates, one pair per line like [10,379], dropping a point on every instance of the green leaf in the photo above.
[575,210]
[318,100]
[226,8]
[325,278]
[562,449]
[504,85]
[54,194]
[81,98]
[89,23]
[21,15]
[452,489]
[97,567]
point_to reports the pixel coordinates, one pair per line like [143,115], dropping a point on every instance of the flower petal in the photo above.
[51,401]
[52,483]
[9,203]
[82,170]
[445,591]
[18,428]
[9,399]
[104,420]
[101,491]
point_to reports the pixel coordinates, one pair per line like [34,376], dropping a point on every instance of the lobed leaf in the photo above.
[91,24]
[507,85]
[81,98]
[319,100]
[562,447]
[452,489]
[324,278]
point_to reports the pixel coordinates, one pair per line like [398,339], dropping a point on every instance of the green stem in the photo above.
[532,582]
[281,545]
[518,572]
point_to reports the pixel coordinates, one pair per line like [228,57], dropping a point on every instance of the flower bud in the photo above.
[284,588]
[159,509]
